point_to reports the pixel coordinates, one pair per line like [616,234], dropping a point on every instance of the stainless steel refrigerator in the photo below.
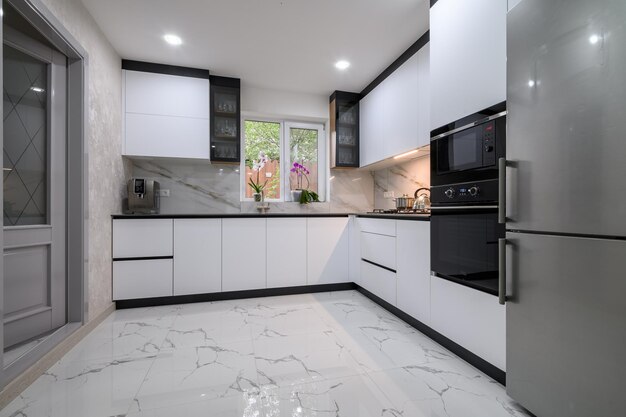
[566,207]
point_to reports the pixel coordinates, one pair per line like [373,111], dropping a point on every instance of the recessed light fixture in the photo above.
[531,83]
[173,39]
[593,39]
[405,154]
[342,65]
[37,89]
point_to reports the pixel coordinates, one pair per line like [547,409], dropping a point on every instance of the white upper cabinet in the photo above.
[467,58]
[394,115]
[165,115]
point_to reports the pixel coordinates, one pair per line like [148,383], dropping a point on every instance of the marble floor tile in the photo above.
[329,354]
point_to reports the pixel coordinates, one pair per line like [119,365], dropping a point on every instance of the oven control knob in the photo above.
[449,193]
[473,191]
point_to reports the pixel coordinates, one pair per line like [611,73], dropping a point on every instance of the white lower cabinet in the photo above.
[471,318]
[142,279]
[379,281]
[286,252]
[379,249]
[197,256]
[413,268]
[243,254]
[327,250]
[140,238]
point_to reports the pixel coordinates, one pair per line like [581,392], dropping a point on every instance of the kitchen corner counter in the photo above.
[225,215]
[392,216]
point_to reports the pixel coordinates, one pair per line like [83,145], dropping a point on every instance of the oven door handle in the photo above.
[463,208]
[502,162]
[502,271]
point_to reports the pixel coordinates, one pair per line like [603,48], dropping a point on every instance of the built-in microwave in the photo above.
[468,149]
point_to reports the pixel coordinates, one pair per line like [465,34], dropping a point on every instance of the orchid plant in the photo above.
[302,172]
[257,166]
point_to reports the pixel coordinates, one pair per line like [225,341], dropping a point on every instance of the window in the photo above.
[272,147]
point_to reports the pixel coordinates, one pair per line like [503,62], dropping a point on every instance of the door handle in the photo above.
[502,190]
[502,271]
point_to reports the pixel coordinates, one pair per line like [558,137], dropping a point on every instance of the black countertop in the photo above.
[422,217]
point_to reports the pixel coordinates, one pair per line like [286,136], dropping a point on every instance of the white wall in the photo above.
[283,104]
[104,138]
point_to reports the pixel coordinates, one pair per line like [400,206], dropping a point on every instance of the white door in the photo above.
[34,173]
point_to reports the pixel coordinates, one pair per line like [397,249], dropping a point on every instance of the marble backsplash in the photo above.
[403,178]
[205,188]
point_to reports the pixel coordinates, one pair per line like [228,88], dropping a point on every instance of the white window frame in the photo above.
[285,125]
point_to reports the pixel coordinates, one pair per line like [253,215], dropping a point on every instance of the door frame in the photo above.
[76,183]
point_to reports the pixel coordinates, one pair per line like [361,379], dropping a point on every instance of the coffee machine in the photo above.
[143,196]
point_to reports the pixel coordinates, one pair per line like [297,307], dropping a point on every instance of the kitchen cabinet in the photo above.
[379,281]
[140,238]
[286,252]
[395,115]
[327,250]
[471,318]
[354,250]
[225,119]
[467,58]
[142,279]
[379,249]
[243,254]
[413,268]
[165,115]
[344,129]
[197,256]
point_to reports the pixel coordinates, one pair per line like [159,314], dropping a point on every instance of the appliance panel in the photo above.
[566,332]
[566,124]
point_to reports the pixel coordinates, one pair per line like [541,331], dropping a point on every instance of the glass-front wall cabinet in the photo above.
[225,119]
[344,129]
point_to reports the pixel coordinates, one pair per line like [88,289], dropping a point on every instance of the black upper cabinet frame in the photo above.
[344,129]
[225,119]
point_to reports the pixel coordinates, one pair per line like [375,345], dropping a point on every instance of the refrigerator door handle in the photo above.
[502,271]
[502,190]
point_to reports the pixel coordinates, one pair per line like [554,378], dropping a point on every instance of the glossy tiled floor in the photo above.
[328,354]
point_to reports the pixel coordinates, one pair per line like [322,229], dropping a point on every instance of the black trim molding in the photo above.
[164,69]
[406,55]
[225,215]
[469,357]
[142,258]
[379,265]
[233,295]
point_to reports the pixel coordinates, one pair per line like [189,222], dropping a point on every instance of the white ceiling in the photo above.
[286,45]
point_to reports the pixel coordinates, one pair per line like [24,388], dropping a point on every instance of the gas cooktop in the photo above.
[396,211]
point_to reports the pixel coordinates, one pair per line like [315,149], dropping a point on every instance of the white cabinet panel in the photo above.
[134,238]
[243,254]
[166,136]
[166,95]
[327,250]
[197,256]
[423,96]
[142,279]
[379,249]
[379,281]
[372,112]
[471,318]
[286,252]
[355,250]
[378,226]
[413,268]
[467,60]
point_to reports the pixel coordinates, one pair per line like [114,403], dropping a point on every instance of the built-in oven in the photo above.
[464,225]
[469,149]
[464,241]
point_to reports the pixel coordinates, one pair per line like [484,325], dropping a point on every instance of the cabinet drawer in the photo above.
[378,226]
[142,279]
[379,281]
[379,249]
[142,238]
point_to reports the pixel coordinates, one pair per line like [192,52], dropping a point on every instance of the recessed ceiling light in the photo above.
[593,39]
[342,65]
[531,83]
[173,39]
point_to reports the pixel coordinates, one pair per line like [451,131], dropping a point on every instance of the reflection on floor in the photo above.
[328,354]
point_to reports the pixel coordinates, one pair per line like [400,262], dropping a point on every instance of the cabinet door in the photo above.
[413,268]
[327,250]
[467,58]
[379,249]
[142,279]
[140,238]
[371,128]
[471,318]
[243,254]
[197,256]
[423,96]
[379,282]
[286,252]
[354,250]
